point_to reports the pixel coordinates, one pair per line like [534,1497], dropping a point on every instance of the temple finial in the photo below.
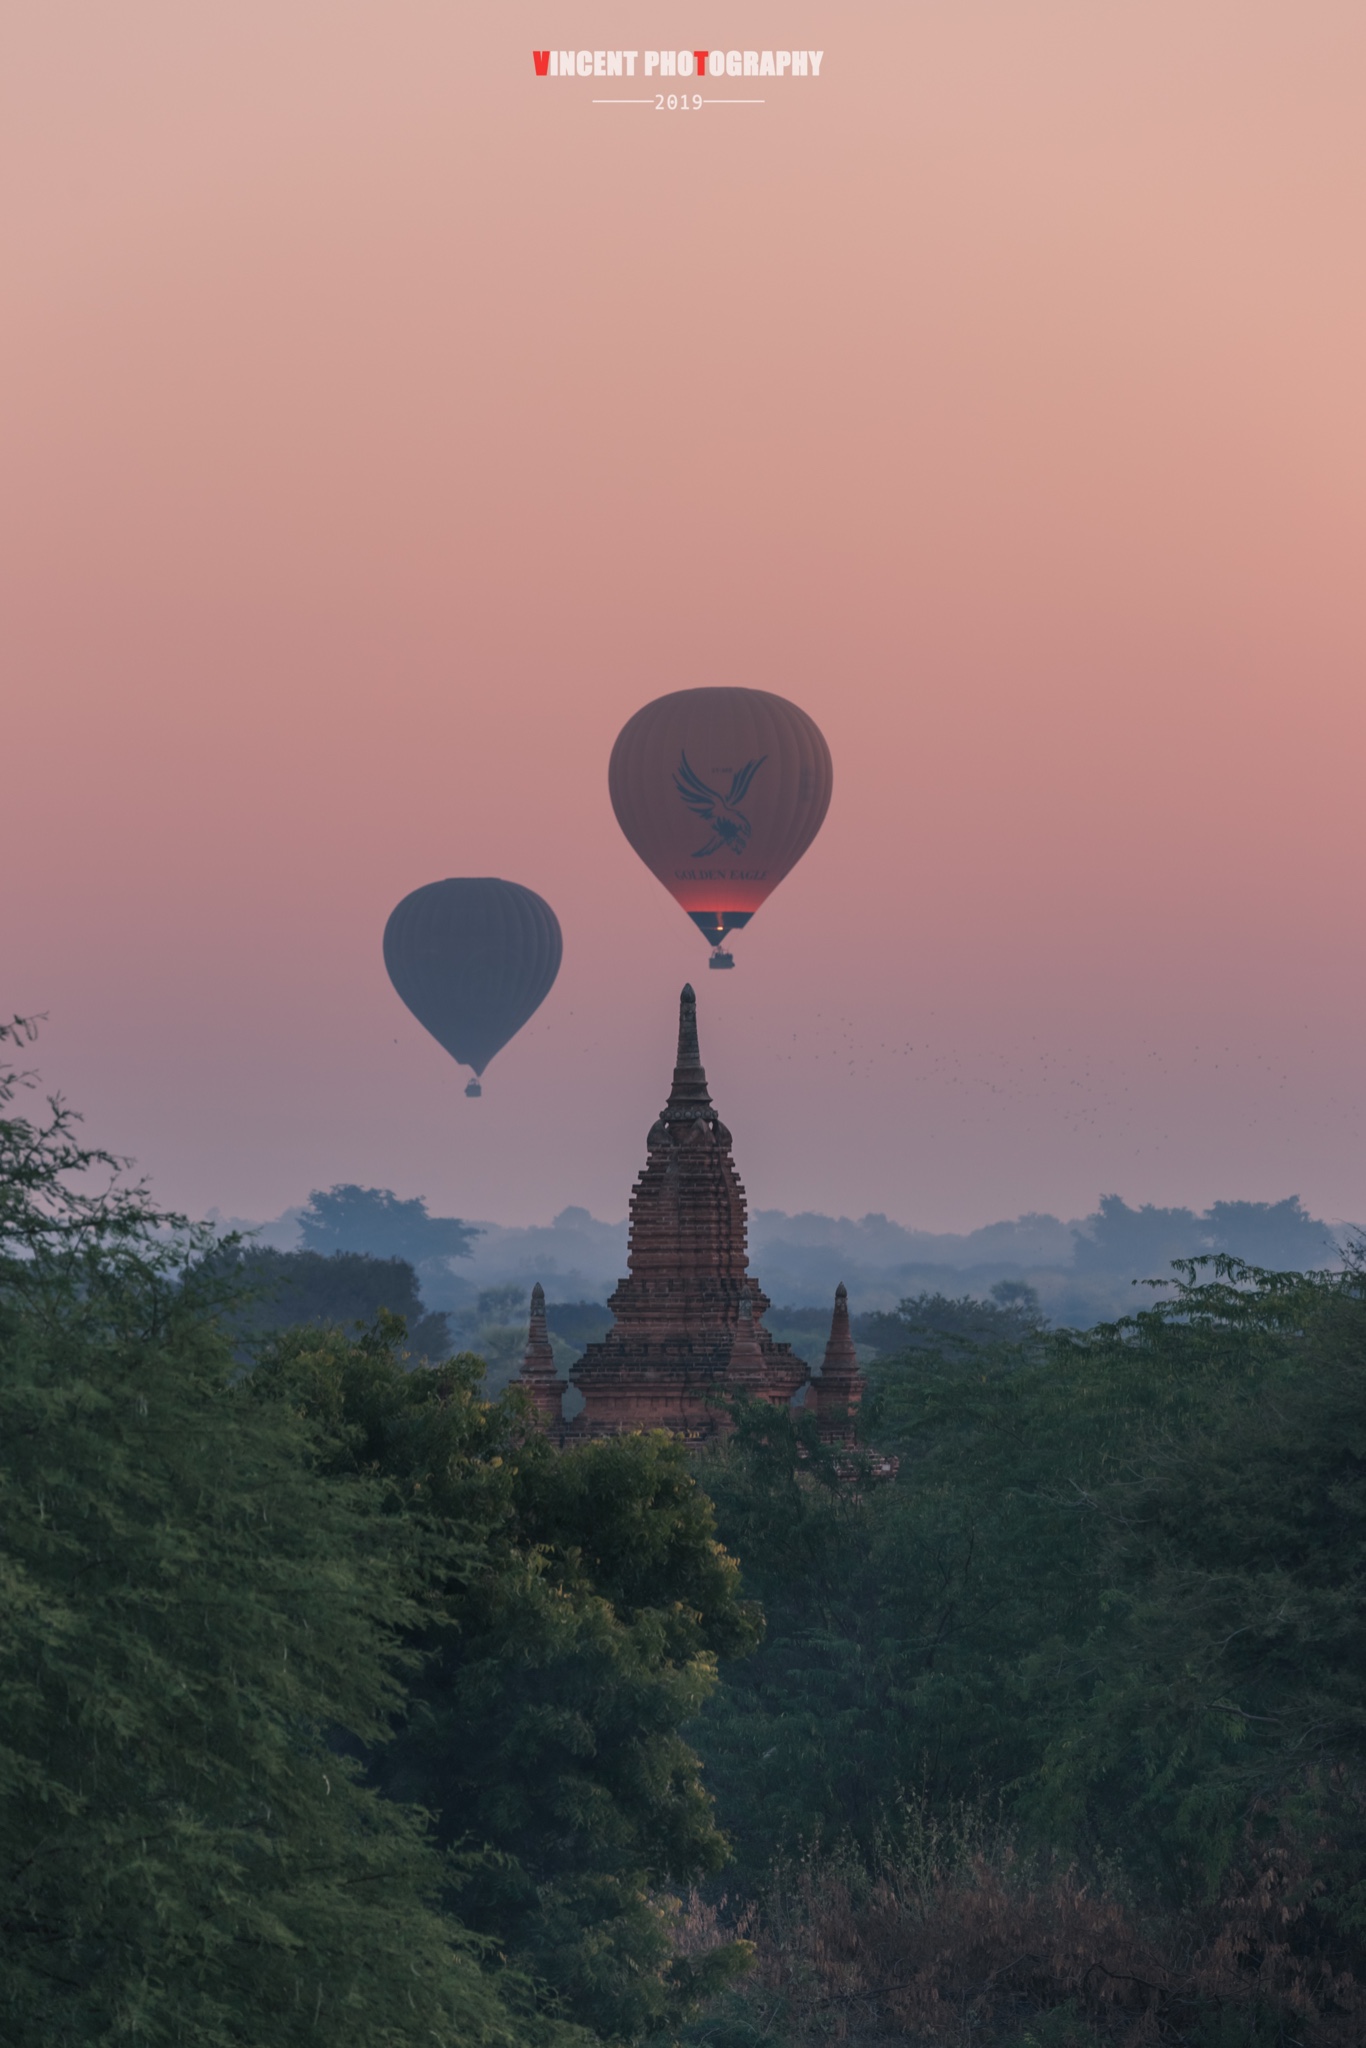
[688,1098]
[689,1051]
[538,1337]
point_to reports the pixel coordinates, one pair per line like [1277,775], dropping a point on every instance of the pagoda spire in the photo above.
[687,1322]
[689,1098]
[538,1376]
[839,1389]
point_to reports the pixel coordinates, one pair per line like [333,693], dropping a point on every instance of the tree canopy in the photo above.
[349,1218]
[332,1701]
[335,1701]
[1114,1596]
[570,1608]
[275,1290]
[189,1611]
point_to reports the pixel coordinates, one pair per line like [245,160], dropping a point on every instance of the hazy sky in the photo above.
[382,425]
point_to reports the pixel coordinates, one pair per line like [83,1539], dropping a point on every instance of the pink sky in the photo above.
[381,425]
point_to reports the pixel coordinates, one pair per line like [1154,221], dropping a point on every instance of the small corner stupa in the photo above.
[539,1376]
[835,1396]
[687,1326]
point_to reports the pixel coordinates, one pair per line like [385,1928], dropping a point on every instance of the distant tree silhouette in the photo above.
[954,1323]
[341,1288]
[578,1322]
[348,1218]
[1143,1242]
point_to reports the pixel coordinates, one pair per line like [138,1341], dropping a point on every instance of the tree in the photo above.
[571,1608]
[189,1614]
[947,1323]
[1270,1234]
[277,1290]
[1116,1590]
[348,1218]
[1145,1241]
[801,1738]
[1224,1680]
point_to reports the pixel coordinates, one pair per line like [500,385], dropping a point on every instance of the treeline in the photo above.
[1062,1737]
[266,1290]
[334,1704]
[1082,1271]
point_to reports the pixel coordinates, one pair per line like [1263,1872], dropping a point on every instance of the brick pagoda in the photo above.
[688,1321]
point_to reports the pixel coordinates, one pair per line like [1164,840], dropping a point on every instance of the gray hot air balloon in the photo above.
[473,958]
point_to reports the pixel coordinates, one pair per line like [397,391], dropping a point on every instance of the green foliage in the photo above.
[334,1701]
[494,1328]
[1117,1583]
[190,1613]
[1010,1315]
[1115,1598]
[276,1290]
[1225,1673]
[796,1741]
[572,1608]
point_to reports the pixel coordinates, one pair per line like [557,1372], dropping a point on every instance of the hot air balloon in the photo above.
[720,792]
[473,958]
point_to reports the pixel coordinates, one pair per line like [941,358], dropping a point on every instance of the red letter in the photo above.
[699,58]
[541,59]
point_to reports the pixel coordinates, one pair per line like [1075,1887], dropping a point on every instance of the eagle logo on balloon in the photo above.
[729,825]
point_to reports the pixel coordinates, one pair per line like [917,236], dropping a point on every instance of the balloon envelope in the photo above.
[720,792]
[473,958]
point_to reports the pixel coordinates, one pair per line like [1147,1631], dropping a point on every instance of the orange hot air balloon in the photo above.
[720,792]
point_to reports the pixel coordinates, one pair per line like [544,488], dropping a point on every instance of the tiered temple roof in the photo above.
[687,1324]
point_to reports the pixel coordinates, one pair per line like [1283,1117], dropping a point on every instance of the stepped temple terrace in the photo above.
[687,1326]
